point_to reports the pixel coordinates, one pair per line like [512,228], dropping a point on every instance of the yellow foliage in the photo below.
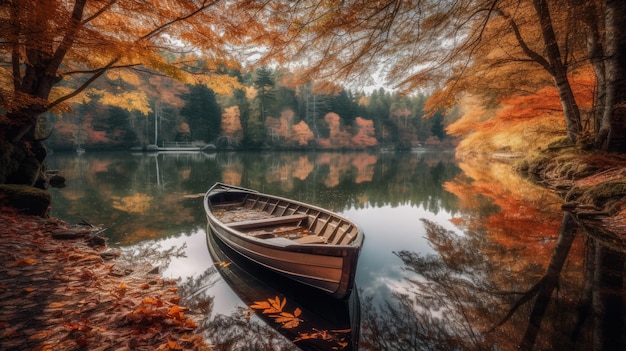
[125,76]
[128,100]
[136,203]
[221,84]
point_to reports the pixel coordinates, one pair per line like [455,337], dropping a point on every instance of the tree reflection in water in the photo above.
[236,331]
[460,299]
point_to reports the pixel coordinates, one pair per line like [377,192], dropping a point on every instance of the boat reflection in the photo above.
[310,319]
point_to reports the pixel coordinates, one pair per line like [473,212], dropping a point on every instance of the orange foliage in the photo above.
[183,128]
[64,129]
[526,216]
[545,101]
[303,168]
[167,90]
[97,136]
[285,123]
[338,137]
[537,114]
[232,175]
[364,165]
[302,133]
[366,134]
[231,124]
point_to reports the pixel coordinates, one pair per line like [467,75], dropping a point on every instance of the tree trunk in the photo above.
[608,300]
[559,71]
[550,280]
[592,18]
[612,134]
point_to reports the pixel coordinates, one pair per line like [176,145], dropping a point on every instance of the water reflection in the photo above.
[312,320]
[457,256]
[150,195]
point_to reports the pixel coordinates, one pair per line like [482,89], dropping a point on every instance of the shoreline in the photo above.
[75,294]
[592,185]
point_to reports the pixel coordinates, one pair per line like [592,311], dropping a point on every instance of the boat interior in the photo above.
[267,217]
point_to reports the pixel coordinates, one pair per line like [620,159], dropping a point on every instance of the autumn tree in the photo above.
[52,50]
[365,133]
[231,125]
[458,46]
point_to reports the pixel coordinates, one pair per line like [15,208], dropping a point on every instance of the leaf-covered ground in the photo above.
[63,294]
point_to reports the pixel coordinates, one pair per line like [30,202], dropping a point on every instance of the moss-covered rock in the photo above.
[22,163]
[26,199]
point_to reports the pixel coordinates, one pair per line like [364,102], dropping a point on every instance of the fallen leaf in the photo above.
[173,345]
[175,312]
[40,335]
[24,261]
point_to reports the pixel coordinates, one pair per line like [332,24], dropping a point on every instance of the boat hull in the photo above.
[328,267]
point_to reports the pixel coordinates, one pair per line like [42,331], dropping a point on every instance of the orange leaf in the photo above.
[260,305]
[174,311]
[24,261]
[173,345]
[151,301]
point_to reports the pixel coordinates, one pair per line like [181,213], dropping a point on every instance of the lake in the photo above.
[457,254]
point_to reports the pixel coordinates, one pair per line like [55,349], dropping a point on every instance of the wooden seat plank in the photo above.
[310,239]
[266,222]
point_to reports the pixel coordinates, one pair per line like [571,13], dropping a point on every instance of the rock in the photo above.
[57,181]
[110,254]
[120,271]
[97,240]
[25,199]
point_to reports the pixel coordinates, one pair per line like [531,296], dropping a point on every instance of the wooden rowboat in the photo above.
[306,243]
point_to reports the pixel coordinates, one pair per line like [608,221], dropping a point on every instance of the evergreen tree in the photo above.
[264,82]
[343,105]
[202,113]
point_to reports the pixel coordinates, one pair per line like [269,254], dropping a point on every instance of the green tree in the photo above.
[264,82]
[202,113]
[344,105]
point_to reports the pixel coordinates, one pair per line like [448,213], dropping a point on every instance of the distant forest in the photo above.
[267,109]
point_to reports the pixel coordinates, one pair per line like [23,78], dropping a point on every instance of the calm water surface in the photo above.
[456,254]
